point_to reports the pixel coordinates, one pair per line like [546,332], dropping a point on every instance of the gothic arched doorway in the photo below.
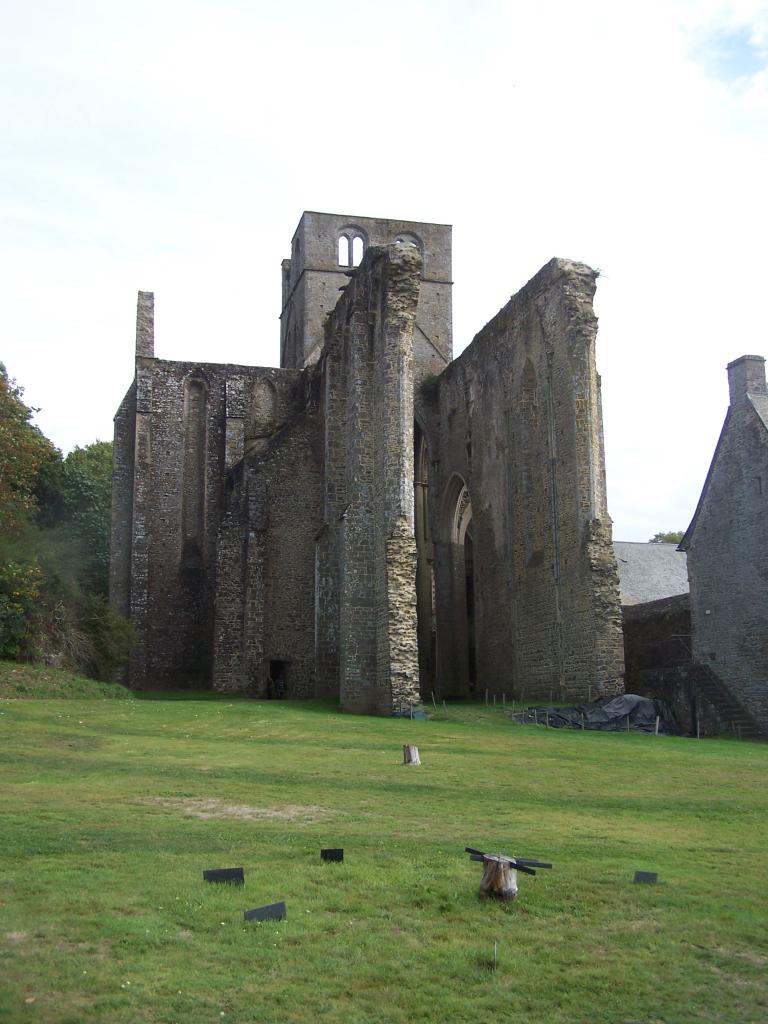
[455,592]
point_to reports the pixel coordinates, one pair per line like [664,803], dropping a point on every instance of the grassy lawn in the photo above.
[112,809]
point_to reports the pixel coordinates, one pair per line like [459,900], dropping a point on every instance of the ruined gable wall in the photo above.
[520,423]
[367,613]
[728,566]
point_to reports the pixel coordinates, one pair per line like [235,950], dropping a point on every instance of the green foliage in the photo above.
[20,586]
[99,796]
[59,620]
[110,638]
[670,537]
[429,385]
[75,496]
[54,547]
[23,450]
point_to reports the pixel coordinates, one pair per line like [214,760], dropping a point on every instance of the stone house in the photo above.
[373,519]
[727,546]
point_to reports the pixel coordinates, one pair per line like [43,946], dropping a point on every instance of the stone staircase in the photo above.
[734,717]
[697,694]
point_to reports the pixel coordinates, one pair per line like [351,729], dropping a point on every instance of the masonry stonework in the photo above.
[518,426]
[727,545]
[372,520]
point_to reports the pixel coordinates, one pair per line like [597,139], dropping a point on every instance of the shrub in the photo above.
[429,385]
[20,586]
[109,638]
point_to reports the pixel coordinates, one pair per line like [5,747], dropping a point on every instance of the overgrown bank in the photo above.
[54,548]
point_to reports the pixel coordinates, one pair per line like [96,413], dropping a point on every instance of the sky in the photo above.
[172,146]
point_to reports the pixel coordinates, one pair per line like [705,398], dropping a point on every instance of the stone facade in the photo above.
[515,425]
[727,545]
[372,520]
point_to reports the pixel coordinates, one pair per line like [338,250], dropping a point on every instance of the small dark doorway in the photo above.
[277,687]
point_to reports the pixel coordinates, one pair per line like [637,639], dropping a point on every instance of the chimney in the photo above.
[145,326]
[746,375]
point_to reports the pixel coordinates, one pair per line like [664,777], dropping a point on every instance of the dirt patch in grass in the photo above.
[79,742]
[753,958]
[16,936]
[218,809]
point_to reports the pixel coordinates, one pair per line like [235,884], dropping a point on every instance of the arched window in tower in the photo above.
[352,244]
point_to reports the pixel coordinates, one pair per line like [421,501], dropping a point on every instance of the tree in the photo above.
[54,547]
[23,450]
[670,537]
[88,505]
[75,497]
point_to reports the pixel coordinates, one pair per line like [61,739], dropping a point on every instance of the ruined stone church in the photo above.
[373,520]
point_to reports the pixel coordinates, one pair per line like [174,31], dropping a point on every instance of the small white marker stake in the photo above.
[410,754]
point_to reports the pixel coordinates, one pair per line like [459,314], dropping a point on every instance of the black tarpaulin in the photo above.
[608,714]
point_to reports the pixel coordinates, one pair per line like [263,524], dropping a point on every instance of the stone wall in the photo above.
[121,535]
[517,422]
[179,427]
[727,544]
[366,554]
[265,593]
[657,635]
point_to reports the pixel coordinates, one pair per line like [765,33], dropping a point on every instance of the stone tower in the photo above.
[325,250]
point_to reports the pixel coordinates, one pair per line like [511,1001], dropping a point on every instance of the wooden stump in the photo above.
[499,879]
[410,754]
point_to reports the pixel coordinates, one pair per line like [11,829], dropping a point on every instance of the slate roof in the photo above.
[649,572]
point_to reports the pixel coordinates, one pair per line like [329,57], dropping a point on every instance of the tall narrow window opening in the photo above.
[193,472]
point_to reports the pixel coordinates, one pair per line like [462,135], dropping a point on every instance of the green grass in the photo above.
[104,916]
[20,680]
